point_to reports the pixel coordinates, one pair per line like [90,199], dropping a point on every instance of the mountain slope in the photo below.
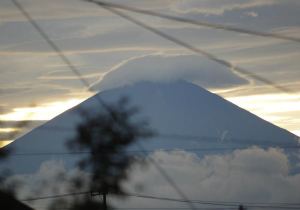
[173,108]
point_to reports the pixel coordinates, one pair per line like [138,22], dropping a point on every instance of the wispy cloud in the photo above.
[252,14]
[215,7]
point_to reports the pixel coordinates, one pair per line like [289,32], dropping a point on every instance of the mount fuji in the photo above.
[176,109]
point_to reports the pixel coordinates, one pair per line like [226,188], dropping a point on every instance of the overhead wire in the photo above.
[55,196]
[144,208]
[116,208]
[73,68]
[219,203]
[194,49]
[221,208]
[185,137]
[199,23]
[77,73]
[58,51]
[157,150]
[85,82]
[214,203]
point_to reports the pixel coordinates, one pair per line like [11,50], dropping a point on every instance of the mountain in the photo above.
[177,107]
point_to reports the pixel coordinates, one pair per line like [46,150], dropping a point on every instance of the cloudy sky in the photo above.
[110,51]
[243,176]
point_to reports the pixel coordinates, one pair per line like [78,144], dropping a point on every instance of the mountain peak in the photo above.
[177,107]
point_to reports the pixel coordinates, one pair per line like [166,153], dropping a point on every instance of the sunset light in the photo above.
[263,104]
[281,109]
[212,119]
[7,130]
[44,112]
[5,142]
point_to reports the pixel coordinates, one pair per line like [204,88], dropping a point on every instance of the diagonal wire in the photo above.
[196,50]
[85,82]
[199,23]
[77,73]
[165,175]
[58,51]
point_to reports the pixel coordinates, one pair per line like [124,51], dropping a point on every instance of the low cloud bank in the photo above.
[241,176]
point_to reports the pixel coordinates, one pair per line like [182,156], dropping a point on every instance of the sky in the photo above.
[36,85]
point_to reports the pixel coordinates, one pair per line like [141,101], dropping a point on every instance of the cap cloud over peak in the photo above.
[159,68]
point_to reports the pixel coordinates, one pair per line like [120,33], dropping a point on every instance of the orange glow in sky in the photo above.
[44,112]
[5,142]
[279,109]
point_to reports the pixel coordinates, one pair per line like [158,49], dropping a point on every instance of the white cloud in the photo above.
[217,7]
[44,9]
[52,178]
[159,68]
[242,176]
[47,10]
[252,14]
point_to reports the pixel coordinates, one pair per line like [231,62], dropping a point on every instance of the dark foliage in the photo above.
[106,133]
[241,207]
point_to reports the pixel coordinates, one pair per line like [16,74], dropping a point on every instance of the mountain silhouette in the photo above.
[186,116]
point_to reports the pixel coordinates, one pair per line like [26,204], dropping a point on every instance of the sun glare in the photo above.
[5,142]
[44,112]
[296,133]
[264,97]
[7,130]
[280,109]
[262,104]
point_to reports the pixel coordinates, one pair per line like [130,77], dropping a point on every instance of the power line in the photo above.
[148,151]
[58,51]
[215,203]
[196,50]
[185,137]
[77,73]
[221,208]
[209,139]
[85,82]
[199,23]
[263,144]
[39,29]
[147,208]
[55,196]
[165,175]
[220,203]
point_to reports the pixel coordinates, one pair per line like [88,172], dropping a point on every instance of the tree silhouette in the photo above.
[106,133]
[241,207]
